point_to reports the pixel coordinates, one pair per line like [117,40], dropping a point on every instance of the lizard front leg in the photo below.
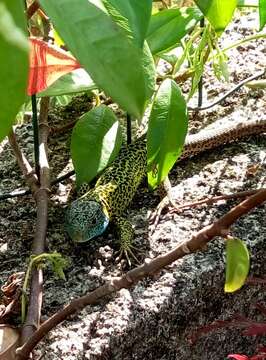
[125,233]
[166,190]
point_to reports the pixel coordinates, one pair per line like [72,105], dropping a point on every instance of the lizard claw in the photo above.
[129,254]
[166,202]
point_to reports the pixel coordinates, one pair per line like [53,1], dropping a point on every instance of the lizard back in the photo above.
[117,185]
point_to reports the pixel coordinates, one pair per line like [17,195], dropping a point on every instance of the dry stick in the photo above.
[64,128]
[23,163]
[214,199]
[198,241]
[41,197]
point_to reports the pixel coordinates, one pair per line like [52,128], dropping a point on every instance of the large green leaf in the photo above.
[105,50]
[13,62]
[218,12]
[169,26]
[262,11]
[95,142]
[71,83]
[167,131]
[237,264]
[132,14]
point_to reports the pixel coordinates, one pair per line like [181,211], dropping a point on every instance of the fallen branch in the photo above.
[149,268]
[210,201]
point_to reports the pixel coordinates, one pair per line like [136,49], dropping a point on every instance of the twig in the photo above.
[238,86]
[41,197]
[214,199]
[197,242]
[256,281]
[17,193]
[62,129]
[23,163]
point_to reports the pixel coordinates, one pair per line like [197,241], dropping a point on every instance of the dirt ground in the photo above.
[155,319]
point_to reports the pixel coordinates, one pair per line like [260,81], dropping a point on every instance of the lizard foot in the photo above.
[129,255]
[165,203]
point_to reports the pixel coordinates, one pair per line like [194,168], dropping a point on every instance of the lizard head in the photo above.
[85,219]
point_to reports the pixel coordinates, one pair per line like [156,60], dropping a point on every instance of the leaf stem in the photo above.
[243,41]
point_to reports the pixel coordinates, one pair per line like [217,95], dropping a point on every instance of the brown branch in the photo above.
[23,163]
[212,200]
[64,128]
[197,242]
[41,197]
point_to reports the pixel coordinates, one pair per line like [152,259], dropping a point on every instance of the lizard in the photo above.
[90,214]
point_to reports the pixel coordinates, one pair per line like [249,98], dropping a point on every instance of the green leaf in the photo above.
[262,11]
[95,142]
[74,82]
[167,131]
[248,3]
[108,54]
[218,12]
[169,26]
[13,62]
[256,84]
[237,264]
[132,14]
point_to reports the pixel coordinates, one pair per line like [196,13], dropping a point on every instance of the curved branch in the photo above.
[197,242]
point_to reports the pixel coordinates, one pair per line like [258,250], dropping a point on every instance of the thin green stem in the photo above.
[249,38]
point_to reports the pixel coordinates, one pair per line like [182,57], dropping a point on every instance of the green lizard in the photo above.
[89,215]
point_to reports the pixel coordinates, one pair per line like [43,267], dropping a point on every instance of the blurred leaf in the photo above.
[256,84]
[13,62]
[248,3]
[218,12]
[58,41]
[169,26]
[75,82]
[61,100]
[9,341]
[167,131]
[262,11]
[134,14]
[113,60]
[237,264]
[95,142]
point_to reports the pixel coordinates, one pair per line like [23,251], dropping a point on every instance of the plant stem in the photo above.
[129,129]
[35,134]
[200,84]
[249,38]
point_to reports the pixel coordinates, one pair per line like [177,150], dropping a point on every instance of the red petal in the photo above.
[238,357]
[47,64]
